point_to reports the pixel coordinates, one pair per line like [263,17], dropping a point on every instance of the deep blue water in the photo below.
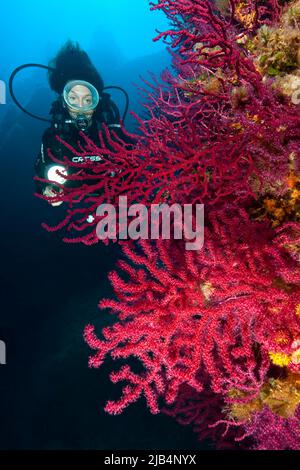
[49,399]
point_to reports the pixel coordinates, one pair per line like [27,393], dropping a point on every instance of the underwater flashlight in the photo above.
[52,174]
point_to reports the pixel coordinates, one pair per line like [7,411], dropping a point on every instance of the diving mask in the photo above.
[80,96]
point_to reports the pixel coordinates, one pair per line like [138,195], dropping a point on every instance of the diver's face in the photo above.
[80,96]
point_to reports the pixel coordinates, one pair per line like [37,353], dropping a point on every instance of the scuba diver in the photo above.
[82,106]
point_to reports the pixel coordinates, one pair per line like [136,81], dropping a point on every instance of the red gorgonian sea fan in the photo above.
[272,432]
[180,313]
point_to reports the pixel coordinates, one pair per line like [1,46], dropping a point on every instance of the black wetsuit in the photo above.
[70,134]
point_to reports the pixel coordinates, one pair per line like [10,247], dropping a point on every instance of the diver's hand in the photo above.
[49,192]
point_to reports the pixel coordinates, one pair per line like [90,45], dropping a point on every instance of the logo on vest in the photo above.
[91,158]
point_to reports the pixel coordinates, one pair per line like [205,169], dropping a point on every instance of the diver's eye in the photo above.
[73,99]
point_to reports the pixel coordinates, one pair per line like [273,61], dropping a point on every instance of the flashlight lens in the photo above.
[53,175]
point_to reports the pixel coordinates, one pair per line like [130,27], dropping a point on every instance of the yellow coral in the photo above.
[210,83]
[237,126]
[280,359]
[282,339]
[286,207]
[292,180]
[207,290]
[245,14]
[282,396]
[270,204]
